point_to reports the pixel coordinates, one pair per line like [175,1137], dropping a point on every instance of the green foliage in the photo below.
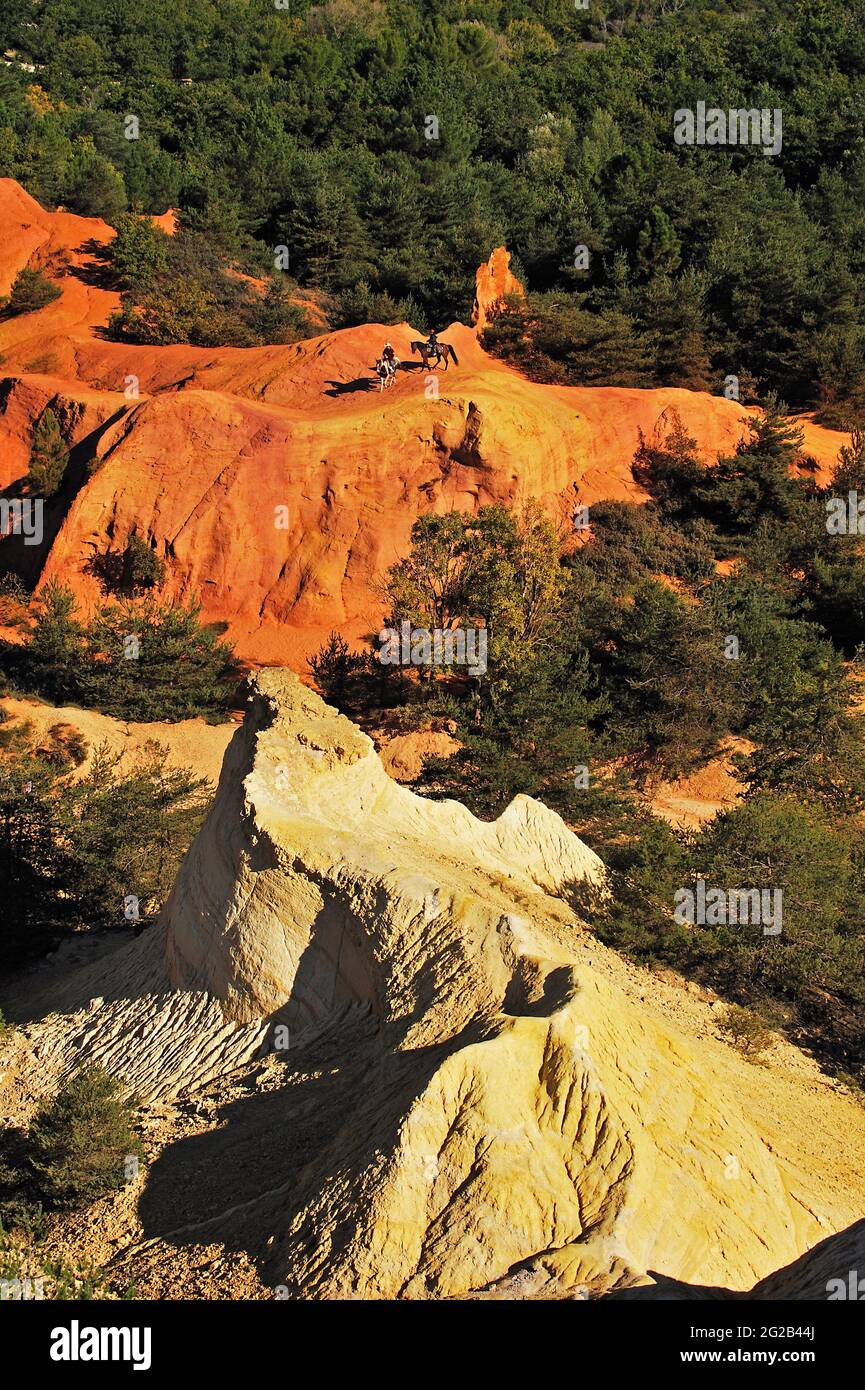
[139,658]
[22,1218]
[138,252]
[82,1139]
[130,571]
[14,602]
[187,288]
[427,587]
[525,719]
[49,455]
[333,667]
[31,290]
[142,567]
[308,130]
[95,185]
[125,831]
[56,644]
[76,846]
[746,1029]
[634,541]
[668,683]
[756,480]
[810,976]
[361,304]
[555,339]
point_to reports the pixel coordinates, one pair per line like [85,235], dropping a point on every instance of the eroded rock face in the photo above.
[315,868]
[276,482]
[477,1098]
[494,281]
[501,1114]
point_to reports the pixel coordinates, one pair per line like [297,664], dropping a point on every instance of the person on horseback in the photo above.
[431,350]
[390,358]
[385,371]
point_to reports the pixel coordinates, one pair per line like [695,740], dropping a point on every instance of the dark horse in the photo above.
[438,354]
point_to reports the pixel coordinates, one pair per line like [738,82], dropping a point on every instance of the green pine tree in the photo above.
[49,455]
[83,1139]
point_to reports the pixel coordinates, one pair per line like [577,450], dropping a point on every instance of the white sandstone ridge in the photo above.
[314,869]
[478,1097]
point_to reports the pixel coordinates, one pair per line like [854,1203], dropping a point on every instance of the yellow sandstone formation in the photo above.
[477,1098]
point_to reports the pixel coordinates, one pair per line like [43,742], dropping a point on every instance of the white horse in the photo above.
[386,372]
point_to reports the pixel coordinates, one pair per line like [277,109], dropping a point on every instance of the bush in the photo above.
[746,1029]
[334,667]
[31,290]
[76,847]
[81,1141]
[810,973]
[14,602]
[130,571]
[49,456]
[138,253]
[186,289]
[63,747]
[669,687]
[136,659]
[554,338]
[360,304]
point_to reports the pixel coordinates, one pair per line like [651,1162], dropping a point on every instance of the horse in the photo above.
[385,373]
[441,353]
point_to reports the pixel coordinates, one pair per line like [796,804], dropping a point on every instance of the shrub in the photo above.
[49,455]
[14,602]
[333,666]
[31,290]
[138,253]
[184,289]
[63,747]
[130,571]
[76,847]
[81,1140]
[361,304]
[554,338]
[746,1029]
[136,659]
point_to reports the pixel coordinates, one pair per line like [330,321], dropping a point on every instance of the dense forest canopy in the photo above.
[306,126]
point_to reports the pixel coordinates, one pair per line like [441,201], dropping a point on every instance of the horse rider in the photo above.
[432,341]
[390,357]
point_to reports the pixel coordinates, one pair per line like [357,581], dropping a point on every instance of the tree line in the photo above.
[307,128]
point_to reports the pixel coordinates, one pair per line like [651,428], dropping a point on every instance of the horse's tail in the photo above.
[453,354]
